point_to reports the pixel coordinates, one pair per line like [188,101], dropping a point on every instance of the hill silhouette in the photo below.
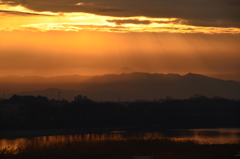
[53,93]
[138,85]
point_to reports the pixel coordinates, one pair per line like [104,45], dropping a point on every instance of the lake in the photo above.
[202,136]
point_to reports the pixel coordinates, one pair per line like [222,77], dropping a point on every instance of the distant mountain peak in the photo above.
[125,70]
[191,74]
[195,75]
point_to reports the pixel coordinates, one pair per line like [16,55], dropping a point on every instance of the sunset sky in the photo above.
[86,37]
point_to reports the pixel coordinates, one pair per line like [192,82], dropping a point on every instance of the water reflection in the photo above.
[203,136]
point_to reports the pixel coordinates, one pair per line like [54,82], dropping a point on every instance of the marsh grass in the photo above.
[123,149]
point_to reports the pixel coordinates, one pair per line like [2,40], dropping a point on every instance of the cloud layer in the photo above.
[20,13]
[217,13]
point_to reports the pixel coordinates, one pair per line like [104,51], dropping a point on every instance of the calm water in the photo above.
[203,136]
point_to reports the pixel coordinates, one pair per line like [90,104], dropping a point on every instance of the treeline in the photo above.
[29,112]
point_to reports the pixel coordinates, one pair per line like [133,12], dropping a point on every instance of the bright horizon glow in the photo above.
[89,53]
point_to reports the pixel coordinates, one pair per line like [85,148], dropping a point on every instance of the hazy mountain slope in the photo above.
[124,70]
[39,79]
[16,84]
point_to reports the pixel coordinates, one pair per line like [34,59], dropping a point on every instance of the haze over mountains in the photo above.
[124,85]
[124,70]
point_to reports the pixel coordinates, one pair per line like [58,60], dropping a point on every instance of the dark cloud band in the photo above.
[129,21]
[224,13]
[22,13]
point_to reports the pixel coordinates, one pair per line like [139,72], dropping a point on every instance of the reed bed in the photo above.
[123,149]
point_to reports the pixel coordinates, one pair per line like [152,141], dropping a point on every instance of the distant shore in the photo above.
[50,132]
[65,131]
[94,130]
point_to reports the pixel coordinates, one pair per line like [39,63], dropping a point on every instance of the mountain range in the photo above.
[123,86]
[138,85]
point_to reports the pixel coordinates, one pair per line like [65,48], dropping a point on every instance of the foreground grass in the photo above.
[123,149]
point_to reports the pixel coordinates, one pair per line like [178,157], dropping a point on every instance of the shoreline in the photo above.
[28,133]
[49,132]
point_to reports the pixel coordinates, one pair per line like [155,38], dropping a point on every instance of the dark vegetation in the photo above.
[127,149]
[29,112]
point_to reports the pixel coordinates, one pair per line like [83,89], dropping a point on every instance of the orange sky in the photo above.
[63,40]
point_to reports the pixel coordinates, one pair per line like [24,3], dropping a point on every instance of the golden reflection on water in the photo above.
[210,136]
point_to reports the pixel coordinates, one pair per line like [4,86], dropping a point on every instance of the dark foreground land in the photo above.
[37,116]
[123,149]
[28,112]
